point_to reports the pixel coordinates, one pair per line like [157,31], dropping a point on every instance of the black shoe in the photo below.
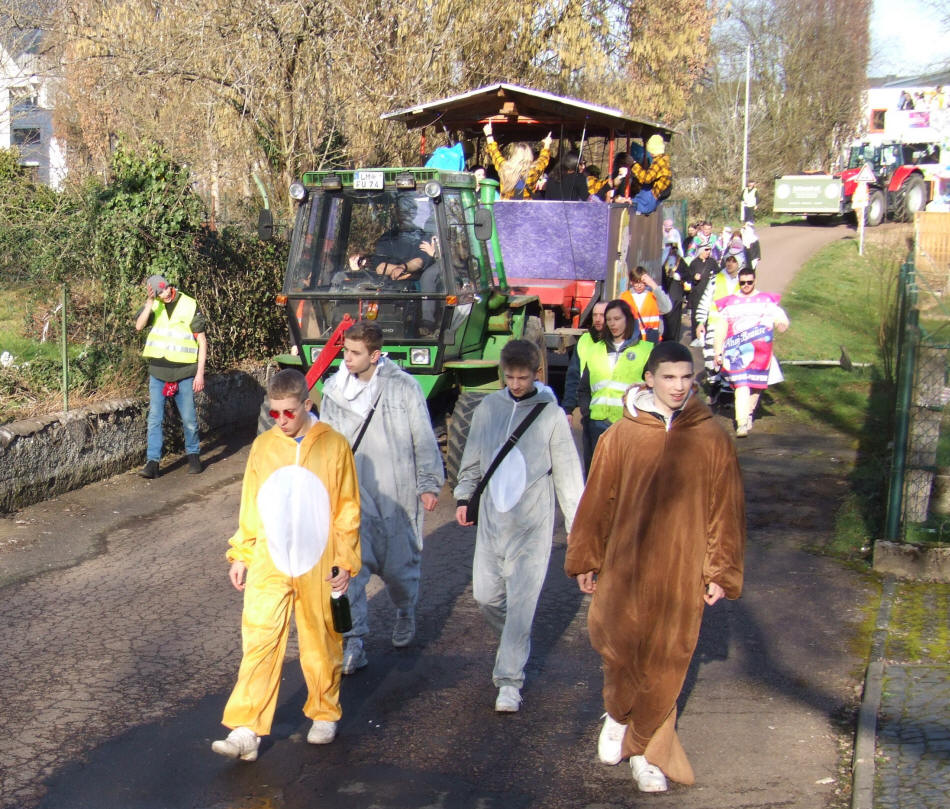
[194,465]
[150,470]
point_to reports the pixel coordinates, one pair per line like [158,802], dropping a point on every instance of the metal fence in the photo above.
[918,505]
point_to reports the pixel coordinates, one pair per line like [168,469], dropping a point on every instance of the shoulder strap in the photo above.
[366,421]
[507,447]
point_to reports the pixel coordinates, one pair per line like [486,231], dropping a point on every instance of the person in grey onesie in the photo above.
[516,509]
[399,468]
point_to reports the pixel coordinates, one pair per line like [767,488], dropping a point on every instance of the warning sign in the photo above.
[866,175]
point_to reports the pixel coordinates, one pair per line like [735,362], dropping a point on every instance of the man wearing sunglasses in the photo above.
[382,412]
[743,349]
[176,349]
[297,541]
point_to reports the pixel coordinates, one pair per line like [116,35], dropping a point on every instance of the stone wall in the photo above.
[46,456]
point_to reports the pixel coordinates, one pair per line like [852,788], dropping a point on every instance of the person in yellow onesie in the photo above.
[300,519]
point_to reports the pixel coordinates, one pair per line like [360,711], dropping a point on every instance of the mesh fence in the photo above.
[919,499]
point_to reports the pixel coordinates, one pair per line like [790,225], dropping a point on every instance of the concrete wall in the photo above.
[46,456]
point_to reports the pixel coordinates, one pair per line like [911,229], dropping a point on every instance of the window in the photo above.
[23,99]
[877,120]
[26,136]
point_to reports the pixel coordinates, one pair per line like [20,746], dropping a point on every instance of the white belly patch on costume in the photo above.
[508,482]
[295,508]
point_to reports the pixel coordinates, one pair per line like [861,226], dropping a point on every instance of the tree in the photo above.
[809,61]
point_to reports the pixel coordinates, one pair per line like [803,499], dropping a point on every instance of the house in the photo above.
[26,114]
[909,108]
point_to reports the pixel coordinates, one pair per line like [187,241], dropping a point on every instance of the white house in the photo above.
[26,114]
[909,107]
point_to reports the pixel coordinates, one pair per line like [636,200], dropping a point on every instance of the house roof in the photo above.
[524,114]
[940,77]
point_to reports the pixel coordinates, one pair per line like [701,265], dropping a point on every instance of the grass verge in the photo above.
[839,302]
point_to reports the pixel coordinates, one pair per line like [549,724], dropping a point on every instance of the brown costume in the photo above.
[662,515]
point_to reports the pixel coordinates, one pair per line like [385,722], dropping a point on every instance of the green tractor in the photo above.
[406,249]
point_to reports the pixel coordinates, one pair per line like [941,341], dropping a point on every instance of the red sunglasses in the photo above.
[288,414]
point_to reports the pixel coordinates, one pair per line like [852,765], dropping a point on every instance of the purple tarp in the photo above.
[553,240]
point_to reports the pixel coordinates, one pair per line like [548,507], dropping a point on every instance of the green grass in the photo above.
[16,311]
[840,299]
[918,631]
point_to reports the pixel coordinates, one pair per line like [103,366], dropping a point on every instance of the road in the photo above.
[120,638]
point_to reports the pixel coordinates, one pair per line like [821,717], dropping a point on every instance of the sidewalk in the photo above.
[902,749]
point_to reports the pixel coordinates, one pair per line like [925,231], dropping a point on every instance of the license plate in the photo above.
[368,180]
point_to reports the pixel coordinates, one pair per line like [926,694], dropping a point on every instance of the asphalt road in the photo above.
[120,638]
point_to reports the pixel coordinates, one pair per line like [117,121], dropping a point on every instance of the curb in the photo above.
[862,767]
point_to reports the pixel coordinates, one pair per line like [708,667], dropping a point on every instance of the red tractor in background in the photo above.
[903,172]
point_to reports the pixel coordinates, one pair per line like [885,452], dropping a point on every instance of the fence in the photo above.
[918,504]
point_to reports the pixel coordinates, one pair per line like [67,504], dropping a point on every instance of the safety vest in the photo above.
[649,316]
[583,349]
[171,337]
[721,289]
[608,385]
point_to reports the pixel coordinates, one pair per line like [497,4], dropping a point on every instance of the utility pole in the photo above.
[745,130]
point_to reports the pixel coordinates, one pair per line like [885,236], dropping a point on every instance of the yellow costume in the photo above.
[300,516]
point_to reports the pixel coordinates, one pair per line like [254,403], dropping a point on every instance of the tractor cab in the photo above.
[393,246]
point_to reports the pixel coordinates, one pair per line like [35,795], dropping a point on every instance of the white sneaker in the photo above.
[742,430]
[241,743]
[649,778]
[353,655]
[322,732]
[610,743]
[509,699]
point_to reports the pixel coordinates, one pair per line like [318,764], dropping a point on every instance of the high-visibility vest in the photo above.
[171,338]
[649,316]
[608,385]
[585,345]
[721,289]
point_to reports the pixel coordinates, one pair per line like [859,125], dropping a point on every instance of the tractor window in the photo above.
[462,265]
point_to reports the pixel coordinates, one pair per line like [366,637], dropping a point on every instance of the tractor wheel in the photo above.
[459,424]
[911,197]
[534,333]
[874,212]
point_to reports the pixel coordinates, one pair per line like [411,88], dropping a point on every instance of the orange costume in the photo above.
[300,516]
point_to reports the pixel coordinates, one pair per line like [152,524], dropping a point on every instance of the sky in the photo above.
[905,39]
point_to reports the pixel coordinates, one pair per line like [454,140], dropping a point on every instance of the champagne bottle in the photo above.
[340,608]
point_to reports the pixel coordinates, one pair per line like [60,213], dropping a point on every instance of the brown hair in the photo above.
[367,333]
[286,384]
[521,354]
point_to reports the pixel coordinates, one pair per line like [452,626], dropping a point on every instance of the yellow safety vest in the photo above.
[608,385]
[584,348]
[171,338]
[721,284]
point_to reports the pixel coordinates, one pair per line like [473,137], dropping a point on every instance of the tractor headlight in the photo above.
[298,192]
[419,356]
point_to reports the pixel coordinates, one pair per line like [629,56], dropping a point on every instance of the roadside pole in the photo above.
[859,202]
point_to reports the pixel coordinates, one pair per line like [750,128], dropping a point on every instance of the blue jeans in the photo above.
[185,402]
[645,202]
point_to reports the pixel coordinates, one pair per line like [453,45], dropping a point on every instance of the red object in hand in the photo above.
[170,389]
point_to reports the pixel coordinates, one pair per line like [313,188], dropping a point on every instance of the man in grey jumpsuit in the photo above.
[516,513]
[399,468]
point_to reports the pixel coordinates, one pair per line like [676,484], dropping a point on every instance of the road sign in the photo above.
[866,175]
